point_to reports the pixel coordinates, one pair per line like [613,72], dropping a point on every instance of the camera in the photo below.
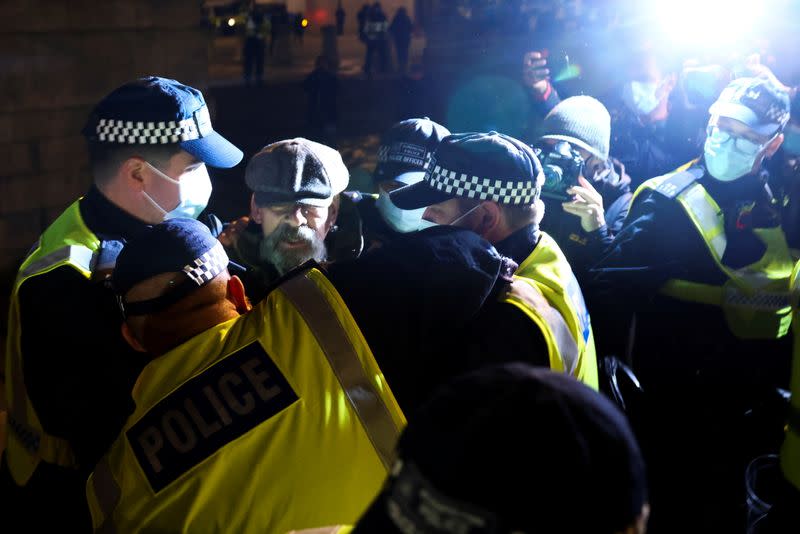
[562,166]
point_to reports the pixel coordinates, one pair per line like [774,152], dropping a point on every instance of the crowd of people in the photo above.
[586,329]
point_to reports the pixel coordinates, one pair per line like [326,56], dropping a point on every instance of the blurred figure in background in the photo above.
[322,91]
[400,29]
[256,30]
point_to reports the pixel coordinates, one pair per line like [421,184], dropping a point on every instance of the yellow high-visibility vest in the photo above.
[790,450]
[549,273]
[755,298]
[279,419]
[68,241]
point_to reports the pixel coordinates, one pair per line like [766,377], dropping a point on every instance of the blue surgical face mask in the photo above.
[402,221]
[641,97]
[791,140]
[194,189]
[727,157]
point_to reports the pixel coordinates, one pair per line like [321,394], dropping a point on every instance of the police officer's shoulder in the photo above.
[673,184]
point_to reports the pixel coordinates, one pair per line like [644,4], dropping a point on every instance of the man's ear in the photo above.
[127,333]
[333,213]
[255,213]
[131,170]
[491,216]
[237,295]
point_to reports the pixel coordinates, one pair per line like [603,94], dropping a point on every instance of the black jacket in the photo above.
[584,249]
[427,305]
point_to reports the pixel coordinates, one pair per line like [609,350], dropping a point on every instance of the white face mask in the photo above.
[402,221]
[641,97]
[194,190]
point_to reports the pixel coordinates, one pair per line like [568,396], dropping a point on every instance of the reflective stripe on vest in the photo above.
[549,271]
[205,437]
[560,341]
[107,492]
[790,450]
[66,242]
[315,309]
[755,300]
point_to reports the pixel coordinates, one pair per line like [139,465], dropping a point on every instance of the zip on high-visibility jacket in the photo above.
[790,450]
[279,419]
[571,350]
[68,241]
[754,299]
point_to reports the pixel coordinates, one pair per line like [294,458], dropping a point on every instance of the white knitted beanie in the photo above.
[581,120]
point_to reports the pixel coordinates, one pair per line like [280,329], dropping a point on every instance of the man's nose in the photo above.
[296,217]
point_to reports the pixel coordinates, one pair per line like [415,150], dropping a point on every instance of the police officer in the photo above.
[293,207]
[68,373]
[281,406]
[403,156]
[376,37]
[704,263]
[222,391]
[490,183]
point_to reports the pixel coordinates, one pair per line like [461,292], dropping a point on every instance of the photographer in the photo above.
[586,193]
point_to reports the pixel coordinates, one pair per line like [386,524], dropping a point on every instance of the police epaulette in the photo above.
[674,185]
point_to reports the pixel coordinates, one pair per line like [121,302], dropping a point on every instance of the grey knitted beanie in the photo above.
[581,120]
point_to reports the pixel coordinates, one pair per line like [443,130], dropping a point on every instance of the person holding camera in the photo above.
[586,193]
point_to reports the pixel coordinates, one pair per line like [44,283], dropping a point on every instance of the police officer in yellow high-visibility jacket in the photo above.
[490,183]
[245,422]
[67,371]
[704,263]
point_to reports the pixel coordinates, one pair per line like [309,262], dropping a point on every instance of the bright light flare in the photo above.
[711,24]
[304,23]
[231,22]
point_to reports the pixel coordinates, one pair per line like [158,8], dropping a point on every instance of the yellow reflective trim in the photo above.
[107,494]
[696,292]
[707,217]
[321,319]
[524,294]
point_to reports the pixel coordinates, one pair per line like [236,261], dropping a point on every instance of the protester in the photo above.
[68,372]
[295,185]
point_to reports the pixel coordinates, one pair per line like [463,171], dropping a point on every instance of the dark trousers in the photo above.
[401,49]
[379,48]
[253,60]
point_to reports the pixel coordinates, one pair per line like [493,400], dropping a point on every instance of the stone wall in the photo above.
[58,57]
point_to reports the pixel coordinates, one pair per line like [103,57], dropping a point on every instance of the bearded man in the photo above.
[295,202]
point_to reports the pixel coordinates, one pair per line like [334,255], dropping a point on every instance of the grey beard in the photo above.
[286,260]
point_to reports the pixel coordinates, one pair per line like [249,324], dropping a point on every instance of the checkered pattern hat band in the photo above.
[514,192]
[405,153]
[155,133]
[200,271]
[203,269]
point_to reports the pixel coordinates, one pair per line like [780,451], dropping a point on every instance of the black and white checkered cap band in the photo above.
[405,153]
[206,267]
[500,191]
[155,133]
